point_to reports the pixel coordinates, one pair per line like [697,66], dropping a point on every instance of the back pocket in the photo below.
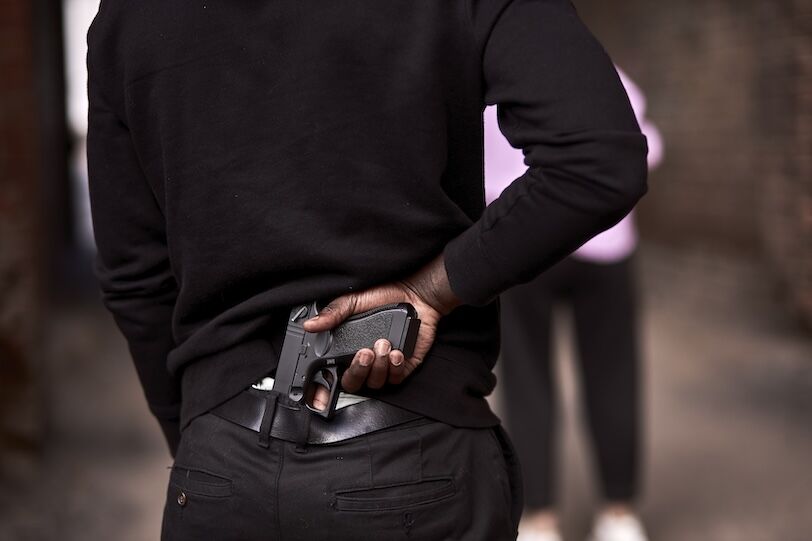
[396,496]
[199,482]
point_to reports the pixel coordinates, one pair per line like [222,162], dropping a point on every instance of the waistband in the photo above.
[272,415]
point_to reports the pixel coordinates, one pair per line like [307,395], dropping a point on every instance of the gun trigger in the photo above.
[319,379]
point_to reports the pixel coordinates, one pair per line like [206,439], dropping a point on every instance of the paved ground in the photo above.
[729,437]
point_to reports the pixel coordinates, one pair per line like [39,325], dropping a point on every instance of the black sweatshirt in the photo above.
[247,156]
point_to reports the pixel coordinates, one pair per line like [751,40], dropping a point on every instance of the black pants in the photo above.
[419,480]
[603,304]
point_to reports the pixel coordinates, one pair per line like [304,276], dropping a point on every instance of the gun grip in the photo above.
[396,322]
[312,360]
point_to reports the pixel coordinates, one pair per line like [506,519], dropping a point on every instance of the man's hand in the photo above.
[427,290]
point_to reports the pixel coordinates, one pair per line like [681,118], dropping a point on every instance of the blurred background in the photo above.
[726,291]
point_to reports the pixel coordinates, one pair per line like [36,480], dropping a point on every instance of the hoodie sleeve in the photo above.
[132,262]
[559,100]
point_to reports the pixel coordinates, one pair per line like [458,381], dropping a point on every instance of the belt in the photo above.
[263,411]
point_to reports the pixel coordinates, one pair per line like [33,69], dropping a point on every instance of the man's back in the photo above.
[296,150]
[252,155]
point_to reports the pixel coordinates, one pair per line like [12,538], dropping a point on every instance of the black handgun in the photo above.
[311,359]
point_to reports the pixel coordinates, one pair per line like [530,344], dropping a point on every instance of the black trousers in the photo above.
[603,304]
[419,480]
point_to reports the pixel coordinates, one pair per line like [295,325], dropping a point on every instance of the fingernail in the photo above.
[382,347]
[365,359]
[397,360]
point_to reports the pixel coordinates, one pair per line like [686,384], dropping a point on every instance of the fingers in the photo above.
[321,398]
[371,367]
[380,367]
[356,375]
[333,314]
[397,367]
[352,303]
[374,368]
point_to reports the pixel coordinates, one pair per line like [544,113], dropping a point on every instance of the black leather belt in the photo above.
[263,411]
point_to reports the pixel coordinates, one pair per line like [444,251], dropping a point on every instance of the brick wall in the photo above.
[786,204]
[20,232]
[730,85]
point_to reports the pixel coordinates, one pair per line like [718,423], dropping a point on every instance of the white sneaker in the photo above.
[613,527]
[538,535]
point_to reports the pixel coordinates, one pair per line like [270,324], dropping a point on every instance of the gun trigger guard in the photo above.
[334,387]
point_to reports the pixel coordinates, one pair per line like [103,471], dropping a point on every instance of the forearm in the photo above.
[560,100]
[528,229]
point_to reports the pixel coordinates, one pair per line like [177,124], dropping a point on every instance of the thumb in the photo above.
[333,314]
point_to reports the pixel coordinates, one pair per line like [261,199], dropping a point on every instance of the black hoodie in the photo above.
[248,156]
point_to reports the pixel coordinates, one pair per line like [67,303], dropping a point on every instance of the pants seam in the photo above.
[276,511]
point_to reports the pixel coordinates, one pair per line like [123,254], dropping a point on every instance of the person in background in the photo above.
[597,281]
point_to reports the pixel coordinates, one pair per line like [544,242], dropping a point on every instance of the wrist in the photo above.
[431,285]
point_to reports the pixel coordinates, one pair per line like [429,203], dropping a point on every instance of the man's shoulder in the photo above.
[124,17]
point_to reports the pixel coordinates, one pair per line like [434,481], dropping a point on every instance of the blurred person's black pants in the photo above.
[419,480]
[605,323]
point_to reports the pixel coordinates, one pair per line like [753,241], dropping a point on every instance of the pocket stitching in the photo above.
[200,488]
[345,502]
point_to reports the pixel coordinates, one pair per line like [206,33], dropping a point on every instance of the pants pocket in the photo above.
[396,496]
[199,482]
[199,505]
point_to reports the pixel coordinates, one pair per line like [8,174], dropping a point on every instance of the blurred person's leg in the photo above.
[606,330]
[606,325]
[527,386]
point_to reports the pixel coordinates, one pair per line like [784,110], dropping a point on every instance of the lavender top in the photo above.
[503,163]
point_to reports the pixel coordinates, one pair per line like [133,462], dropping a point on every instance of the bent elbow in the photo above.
[630,171]
[637,185]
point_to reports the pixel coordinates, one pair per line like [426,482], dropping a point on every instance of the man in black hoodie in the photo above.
[247,157]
